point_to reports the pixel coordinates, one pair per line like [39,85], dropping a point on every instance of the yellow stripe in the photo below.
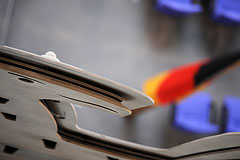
[152,84]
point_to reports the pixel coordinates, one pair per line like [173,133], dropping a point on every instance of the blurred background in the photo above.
[126,41]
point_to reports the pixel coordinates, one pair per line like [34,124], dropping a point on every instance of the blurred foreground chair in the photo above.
[178,7]
[226,11]
[193,114]
[231,114]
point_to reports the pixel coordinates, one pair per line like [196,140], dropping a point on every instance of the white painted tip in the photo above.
[51,56]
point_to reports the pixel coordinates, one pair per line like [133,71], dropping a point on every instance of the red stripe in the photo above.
[179,83]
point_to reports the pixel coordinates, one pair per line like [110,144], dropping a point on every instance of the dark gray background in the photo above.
[123,40]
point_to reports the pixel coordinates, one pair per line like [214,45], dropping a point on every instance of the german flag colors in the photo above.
[172,85]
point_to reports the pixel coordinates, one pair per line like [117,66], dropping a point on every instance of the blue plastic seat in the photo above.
[232,106]
[178,7]
[226,11]
[193,114]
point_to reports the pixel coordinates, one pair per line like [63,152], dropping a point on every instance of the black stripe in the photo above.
[216,65]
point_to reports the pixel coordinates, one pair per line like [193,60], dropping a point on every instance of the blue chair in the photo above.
[226,11]
[193,114]
[232,114]
[178,7]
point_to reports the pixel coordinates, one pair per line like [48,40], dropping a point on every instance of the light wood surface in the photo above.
[34,122]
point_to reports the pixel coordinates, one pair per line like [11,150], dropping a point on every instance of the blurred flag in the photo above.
[175,84]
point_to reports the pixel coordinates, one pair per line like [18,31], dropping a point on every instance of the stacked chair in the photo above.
[221,11]
[193,114]
[178,7]
[226,11]
[231,114]
[197,113]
